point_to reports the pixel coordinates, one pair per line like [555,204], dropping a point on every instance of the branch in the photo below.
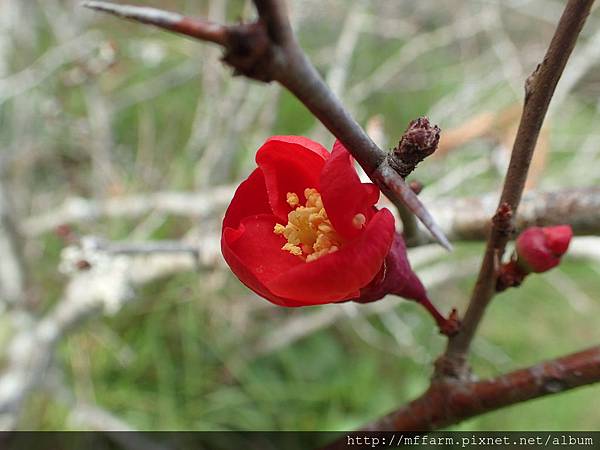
[12,269]
[273,13]
[449,401]
[196,28]
[266,51]
[467,218]
[462,219]
[539,89]
[75,210]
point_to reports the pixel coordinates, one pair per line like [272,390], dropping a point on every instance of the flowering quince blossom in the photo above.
[540,248]
[303,230]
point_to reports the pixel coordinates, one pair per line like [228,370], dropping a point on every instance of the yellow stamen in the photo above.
[293,249]
[292,199]
[309,232]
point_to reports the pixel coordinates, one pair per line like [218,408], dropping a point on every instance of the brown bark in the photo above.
[468,218]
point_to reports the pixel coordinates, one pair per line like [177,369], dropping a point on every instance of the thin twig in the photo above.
[13,272]
[539,89]
[461,219]
[196,28]
[467,218]
[274,14]
[397,189]
[78,210]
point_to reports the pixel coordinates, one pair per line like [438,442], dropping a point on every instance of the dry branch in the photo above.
[196,28]
[461,219]
[76,210]
[467,218]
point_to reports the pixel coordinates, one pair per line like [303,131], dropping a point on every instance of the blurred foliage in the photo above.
[182,357]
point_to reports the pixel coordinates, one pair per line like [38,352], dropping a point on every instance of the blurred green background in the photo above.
[96,108]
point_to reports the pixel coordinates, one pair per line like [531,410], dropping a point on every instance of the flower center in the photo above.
[309,231]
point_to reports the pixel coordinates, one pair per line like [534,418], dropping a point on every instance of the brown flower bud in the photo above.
[420,140]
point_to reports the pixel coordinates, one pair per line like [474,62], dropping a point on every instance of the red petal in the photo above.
[558,238]
[289,164]
[304,142]
[337,276]
[533,251]
[250,199]
[344,196]
[254,254]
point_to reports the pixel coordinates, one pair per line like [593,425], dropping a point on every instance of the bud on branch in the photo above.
[420,140]
[537,250]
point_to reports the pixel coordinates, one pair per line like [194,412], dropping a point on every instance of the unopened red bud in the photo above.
[540,248]
[558,238]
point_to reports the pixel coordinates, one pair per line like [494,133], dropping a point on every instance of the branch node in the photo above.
[509,275]
[554,385]
[249,51]
[530,82]
[451,325]
[455,368]
[502,220]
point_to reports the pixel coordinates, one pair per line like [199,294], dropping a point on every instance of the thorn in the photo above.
[196,28]
[412,202]
[142,14]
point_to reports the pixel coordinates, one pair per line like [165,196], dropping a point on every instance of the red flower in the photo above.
[303,230]
[540,249]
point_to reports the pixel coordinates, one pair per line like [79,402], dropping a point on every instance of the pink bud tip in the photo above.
[558,238]
[539,249]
